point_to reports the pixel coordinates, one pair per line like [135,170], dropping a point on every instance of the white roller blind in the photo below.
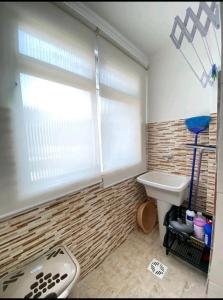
[122,96]
[48,108]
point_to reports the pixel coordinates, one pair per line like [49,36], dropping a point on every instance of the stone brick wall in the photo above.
[91,223]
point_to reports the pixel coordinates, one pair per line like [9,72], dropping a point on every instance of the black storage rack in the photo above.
[183,245]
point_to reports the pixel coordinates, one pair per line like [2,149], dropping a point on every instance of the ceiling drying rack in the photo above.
[211,12]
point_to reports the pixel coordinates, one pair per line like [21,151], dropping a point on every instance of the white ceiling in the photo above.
[145,24]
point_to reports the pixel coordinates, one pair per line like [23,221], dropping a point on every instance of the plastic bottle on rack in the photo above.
[190,214]
[199,223]
[207,233]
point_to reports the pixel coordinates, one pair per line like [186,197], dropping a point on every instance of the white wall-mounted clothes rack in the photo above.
[207,16]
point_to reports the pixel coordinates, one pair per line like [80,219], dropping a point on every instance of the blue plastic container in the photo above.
[207,233]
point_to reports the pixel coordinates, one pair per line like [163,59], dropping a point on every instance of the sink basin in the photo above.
[167,189]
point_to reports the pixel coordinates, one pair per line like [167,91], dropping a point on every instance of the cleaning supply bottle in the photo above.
[207,233]
[199,222]
[190,214]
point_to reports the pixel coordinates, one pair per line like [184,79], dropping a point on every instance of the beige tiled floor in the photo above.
[124,273]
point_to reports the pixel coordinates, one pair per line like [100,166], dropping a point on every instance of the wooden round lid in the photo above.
[147,216]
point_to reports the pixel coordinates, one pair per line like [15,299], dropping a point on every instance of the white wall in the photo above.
[173,90]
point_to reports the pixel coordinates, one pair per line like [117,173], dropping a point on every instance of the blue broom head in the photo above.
[198,124]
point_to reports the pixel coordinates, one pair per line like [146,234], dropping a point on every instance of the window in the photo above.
[53,109]
[60,135]
[57,133]
[122,95]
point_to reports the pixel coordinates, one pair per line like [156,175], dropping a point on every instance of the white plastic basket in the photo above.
[52,275]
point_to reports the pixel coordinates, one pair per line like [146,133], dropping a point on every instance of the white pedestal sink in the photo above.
[168,189]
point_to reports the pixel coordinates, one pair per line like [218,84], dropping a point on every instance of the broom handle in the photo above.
[198,175]
[192,173]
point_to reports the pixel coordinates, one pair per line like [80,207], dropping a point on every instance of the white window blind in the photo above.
[48,126]
[122,96]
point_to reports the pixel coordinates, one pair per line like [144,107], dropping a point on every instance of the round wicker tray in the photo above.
[147,216]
